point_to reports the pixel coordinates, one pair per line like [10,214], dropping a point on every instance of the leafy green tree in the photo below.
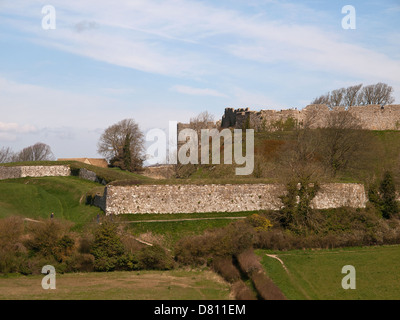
[387,190]
[384,196]
[107,247]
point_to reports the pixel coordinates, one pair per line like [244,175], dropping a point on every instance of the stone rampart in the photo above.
[33,171]
[164,199]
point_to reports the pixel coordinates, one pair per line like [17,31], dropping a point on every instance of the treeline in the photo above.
[357,95]
[37,152]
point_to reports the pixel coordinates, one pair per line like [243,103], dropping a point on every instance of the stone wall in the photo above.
[372,117]
[219,198]
[34,171]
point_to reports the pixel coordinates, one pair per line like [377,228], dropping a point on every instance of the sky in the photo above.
[159,61]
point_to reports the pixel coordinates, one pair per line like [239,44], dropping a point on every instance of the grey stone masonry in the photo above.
[164,199]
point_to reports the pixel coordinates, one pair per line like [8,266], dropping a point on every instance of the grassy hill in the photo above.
[38,197]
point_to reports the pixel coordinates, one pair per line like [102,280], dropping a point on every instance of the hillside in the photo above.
[38,197]
[380,150]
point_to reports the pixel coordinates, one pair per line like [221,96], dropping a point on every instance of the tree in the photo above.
[379,93]
[201,120]
[337,97]
[387,191]
[6,155]
[384,197]
[351,95]
[37,152]
[340,141]
[122,141]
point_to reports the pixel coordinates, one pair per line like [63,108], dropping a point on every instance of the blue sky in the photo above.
[158,61]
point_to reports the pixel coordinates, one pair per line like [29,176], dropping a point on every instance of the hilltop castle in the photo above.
[371,117]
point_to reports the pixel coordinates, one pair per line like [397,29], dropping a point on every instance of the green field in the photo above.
[143,285]
[38,197]
[316,274]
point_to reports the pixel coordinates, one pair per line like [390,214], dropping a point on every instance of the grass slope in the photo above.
[39,197]
[317,274]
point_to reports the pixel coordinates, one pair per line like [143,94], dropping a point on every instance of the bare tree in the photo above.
[379,93]
[37,152]
[324,99]
[120,138]
[340,141]
[351,95]
[201,120]
[6,155]
[336,98]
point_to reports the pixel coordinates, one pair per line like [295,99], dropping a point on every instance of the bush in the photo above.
[242,292]
[49,239]
[224,267]
[223,242]
[80,262]
[260,223]
[107,247]
[265,287]
[11,230]
[249,262]
[153,258]
[107,243]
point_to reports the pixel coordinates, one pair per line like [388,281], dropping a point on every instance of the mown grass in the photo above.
[38,197]
[143,285]
[316,274]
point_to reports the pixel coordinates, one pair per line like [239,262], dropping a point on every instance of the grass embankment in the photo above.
[316,274]
[143,285]
[38,197]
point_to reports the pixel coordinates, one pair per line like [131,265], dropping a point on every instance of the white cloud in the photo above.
[197,91]
[16,128]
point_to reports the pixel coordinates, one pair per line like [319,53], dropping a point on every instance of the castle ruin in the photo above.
[371,117]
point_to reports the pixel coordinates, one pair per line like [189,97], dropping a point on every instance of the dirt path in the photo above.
[274,256]
[291,278]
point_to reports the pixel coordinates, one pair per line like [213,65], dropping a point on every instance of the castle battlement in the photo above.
[371,117]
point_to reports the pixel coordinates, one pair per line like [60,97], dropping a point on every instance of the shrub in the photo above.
[265,287]
[260,223]
[11,230]
[80,262]
[249,262]
[45,236]
[154,258]
[107,247]
[224,267]
[384,197]
[223,242]
[107,243]
[242,292]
